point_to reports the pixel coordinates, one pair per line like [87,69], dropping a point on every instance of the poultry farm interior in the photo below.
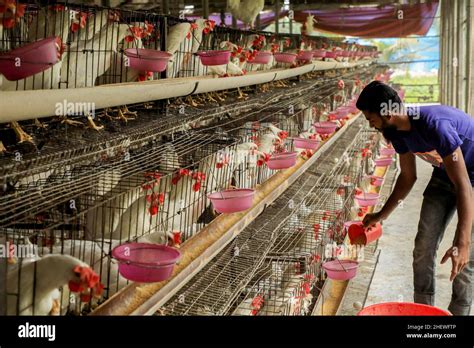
[77,185]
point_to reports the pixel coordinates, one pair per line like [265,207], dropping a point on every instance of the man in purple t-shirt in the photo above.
[443,136]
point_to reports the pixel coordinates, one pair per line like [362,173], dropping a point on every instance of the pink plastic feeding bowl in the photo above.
[325,127]
[307,144]
[319,53]
[282,160]
[305,56]
[345,54]
[29,60]
[210,58]
[284,57]
[142,59]
[232,201]
[341,269]
[383,161]
[367,199]
[262,57]
[387,151]
[376,180]
[403,309]
[331,54]
[145,262]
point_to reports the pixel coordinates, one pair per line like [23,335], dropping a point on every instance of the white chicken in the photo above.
[39,282]
[309,24]
[91,61]
[268,143]
[246,10]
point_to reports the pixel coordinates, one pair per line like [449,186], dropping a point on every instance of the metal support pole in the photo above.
[277,16]
[205,9]
[166,6]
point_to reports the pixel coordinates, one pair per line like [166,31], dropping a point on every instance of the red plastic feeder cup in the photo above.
[375,180]
[360,235]
[387,151]
[282,160]
[211,58]
[29,60]
[341,269]
[367,199]
[306,144]
[403,309]
[285,57]
[232,201]
[262,57]
[145,262]
[305,56]
[325,127]
[142,59]
[318,54]
[383,161]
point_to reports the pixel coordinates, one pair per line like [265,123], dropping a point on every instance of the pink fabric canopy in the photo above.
[367,22]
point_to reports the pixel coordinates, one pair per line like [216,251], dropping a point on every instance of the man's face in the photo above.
[376,121]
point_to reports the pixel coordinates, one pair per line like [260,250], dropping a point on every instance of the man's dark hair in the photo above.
[375,95]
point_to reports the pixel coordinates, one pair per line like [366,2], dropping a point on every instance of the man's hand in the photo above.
[459,257]
[371,219]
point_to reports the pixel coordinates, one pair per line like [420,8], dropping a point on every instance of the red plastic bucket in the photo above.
[232,201]
[360,235]
[210,58]
[325,127]
[403,309]
[147,60]
[29,60]
[341,269]
[262,57]
[284,57]
[145,262]
[282,160]
[306,144]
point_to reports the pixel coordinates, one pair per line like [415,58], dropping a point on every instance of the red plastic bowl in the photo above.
[147,60]
[307,144]
[33,58]
[145,262]
[282,160]
[383,161]
[319,53]
[387,151]
[331,54]
[305,56]
[262,57]
[375,180]
[403,309]
[232,201]
[325,127]
[284,57]
[210,58]
[336,271]
[367,199]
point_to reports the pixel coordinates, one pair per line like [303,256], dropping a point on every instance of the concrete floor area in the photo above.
[393,278]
